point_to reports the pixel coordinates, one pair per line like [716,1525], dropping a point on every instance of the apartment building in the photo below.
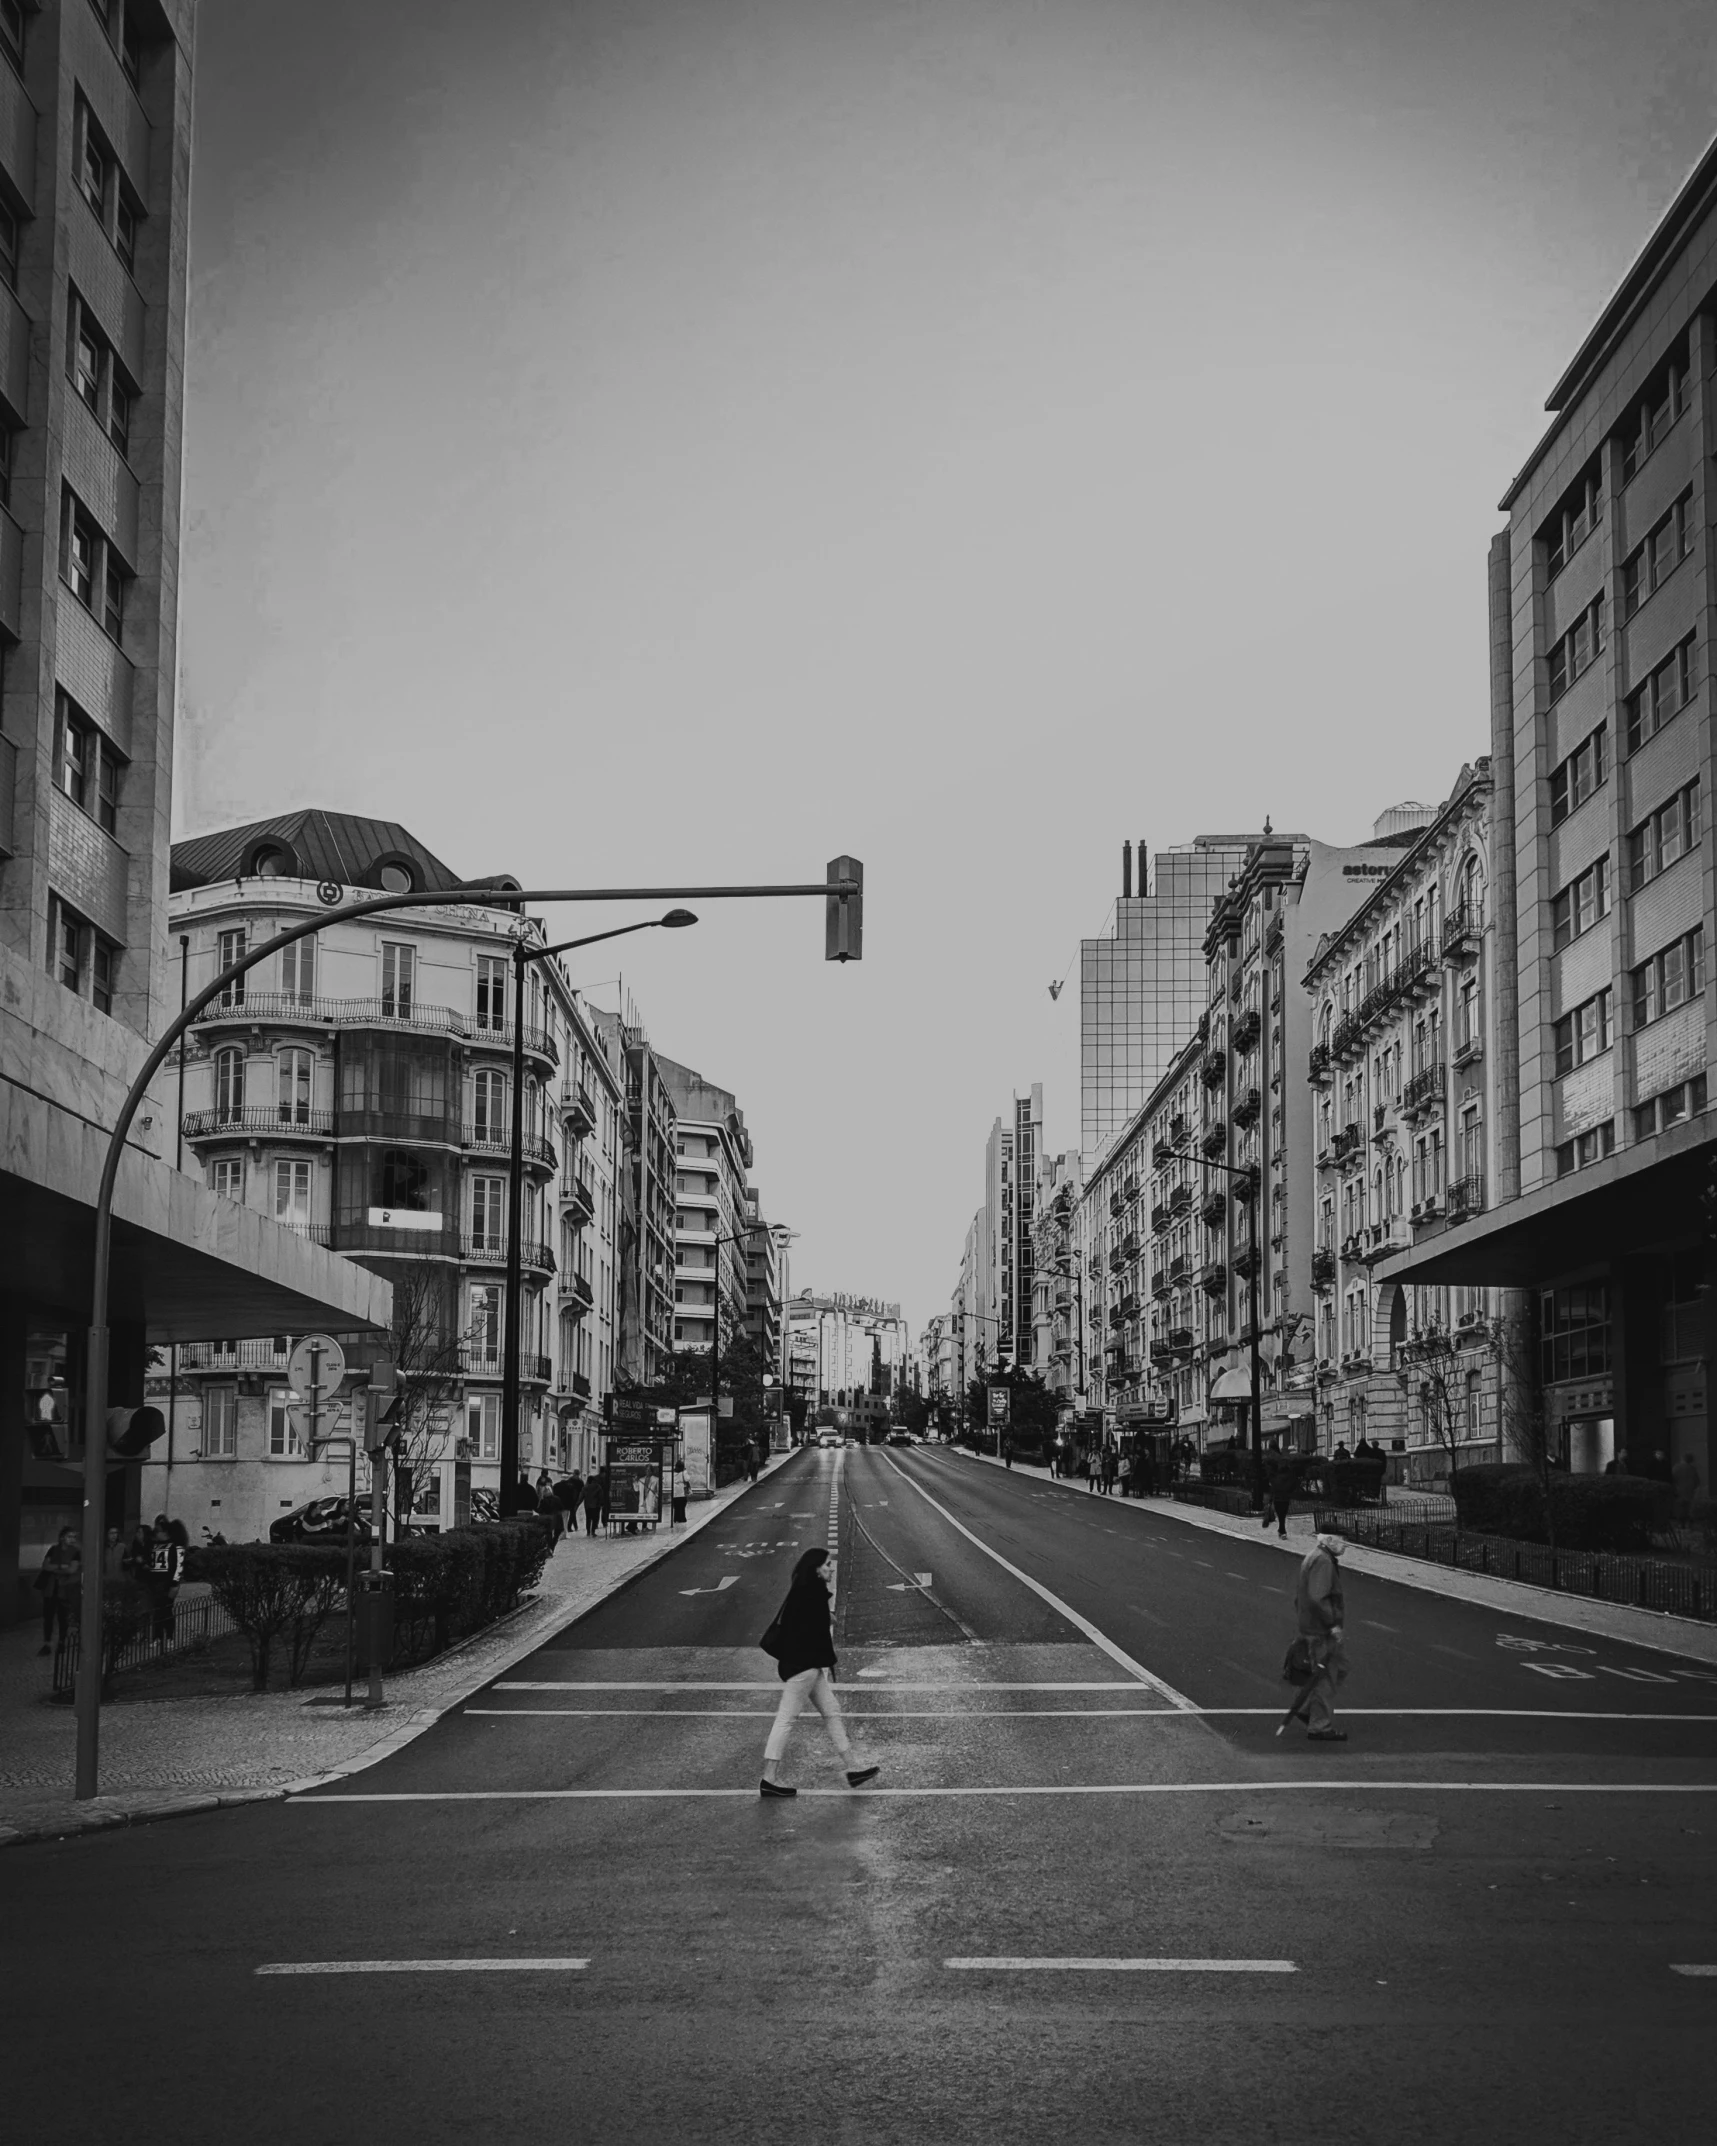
[356,1090]
[646,1246]
[95,138]
[1602,600]
[1404,1070]
[1058,1281]
[1141,988]
[768,1254]
[844,1345]
[712,1210]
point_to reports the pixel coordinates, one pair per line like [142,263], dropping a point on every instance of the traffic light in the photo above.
[132,1431]
[844,913]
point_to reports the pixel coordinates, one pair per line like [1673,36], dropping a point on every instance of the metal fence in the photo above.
[1657,1583]
[137,1638]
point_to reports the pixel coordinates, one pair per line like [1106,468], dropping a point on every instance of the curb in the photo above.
[91,1818]
[1657,1631]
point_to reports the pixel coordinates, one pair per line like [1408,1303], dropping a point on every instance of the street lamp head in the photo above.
[678,919]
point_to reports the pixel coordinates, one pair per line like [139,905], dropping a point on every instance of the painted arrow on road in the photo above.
[730,1579]
[905,1587]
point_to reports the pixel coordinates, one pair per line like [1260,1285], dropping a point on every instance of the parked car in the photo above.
[323,1520]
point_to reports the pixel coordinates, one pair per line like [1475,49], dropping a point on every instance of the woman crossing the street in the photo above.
[802,1642]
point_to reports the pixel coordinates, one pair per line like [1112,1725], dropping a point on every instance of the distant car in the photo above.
[828,1438]
[899,1437]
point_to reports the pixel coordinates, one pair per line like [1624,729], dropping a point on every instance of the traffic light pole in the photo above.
[843,894]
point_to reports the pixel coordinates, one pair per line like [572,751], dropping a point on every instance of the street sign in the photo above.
[999,1400]
[314,1372]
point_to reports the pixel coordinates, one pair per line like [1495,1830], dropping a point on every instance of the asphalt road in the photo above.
[1464,1922]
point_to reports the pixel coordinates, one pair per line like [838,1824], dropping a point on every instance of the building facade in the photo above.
[1404,1069]
[95,144]
[842,1345]
[356,1090]
[1058,1279]
[1603,595]
[712,1210]
[646,1240]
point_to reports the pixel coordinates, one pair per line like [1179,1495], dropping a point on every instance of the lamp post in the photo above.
[523,955]
[842,893]
[1252,1177]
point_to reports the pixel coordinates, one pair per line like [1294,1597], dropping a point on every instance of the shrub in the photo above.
[273,1588]
[450,1584]
[1591,1512]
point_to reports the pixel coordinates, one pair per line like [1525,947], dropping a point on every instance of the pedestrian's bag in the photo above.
[1297,1664]
[771,1641]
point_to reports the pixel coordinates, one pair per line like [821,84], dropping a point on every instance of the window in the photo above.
[1469,1021]
[229,1084]
[405,1183]
[484,1331]
[226,1176]
[113,595]
[1685,1100]
[103,965]
[1668,979]
[399,973]
[79,957]
[1663,836]
[483,1425]
[86,368]
[1582,1034]
[125,233]
[488,1213]
[119,417]
[1590,1147]
[1665,693]
[298,971]
[293,1083]
[1579,776]
[292,1194]
[80,558]
[230,949]
[489,1107]
[131,51]
[1576,650]
[283,1440]
[1575,1328]
[220,1422]
[1578,907]
[86,767]
[1653,416]
[491,993]
[1650,564]
[1576,517]
[94,172]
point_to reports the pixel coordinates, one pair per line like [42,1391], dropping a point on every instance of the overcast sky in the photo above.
[633,441]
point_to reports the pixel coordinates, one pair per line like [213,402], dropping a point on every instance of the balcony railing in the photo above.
[1160,1216]
[1348,1141]
[401,1243]
[1425,1087]
[281,1122]
[481,1363]
[1180,1199]
[1461,931]
[498,1140]
[1323,1267]
[1215,1141]
[1130,1245]
[1246,1029]
[581,1385]
[269,1354]
[1117,1205]
[581,1200]
[1215,1067]
[578,1110]
[1128,1307]
[1213,1278]
[287,1009]
[1317,1065]
[1180,1339]
[1246,1261]
[1246,1107]
[1213,1210]
[1178,1267]
[489,1252]
[575,1289]
[1466,1196]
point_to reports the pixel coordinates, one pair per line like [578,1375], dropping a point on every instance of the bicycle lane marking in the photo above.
[1098,1639]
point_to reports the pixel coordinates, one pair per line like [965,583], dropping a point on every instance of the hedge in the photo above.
[444,1586]
[1591,1512]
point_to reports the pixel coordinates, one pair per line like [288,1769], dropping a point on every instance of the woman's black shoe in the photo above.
[858,1776]
[775,1788]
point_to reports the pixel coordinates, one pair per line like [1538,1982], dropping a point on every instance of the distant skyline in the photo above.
[646,441]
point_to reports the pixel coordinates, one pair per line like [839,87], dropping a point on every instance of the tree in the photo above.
[1522,1419]
[425,1353]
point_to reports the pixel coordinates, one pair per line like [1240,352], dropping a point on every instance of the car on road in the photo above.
[829,1438]
[323,1520]
[898,1437]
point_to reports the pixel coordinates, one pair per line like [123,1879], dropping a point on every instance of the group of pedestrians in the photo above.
[558,1505]
[145,1572]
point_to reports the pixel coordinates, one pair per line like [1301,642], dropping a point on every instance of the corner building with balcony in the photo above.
[1403,1074]
[1603,597]
[712,1159]
[95,144]
[356,1089]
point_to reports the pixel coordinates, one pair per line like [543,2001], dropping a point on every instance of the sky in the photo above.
[684,441]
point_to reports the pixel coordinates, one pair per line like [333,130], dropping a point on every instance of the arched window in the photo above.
[229,1084]
[489,1107]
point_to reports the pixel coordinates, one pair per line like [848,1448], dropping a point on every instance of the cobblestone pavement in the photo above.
[160,1757]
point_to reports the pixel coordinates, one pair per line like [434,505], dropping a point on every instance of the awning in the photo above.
[1643,1199]
[1232,1386]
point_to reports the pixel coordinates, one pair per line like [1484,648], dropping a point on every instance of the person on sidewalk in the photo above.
[569,1496]
[1284,1479]
[753,1459]
[166,1571]
[681,1491]
[595,1501]
[1321,1613]
[548,1510]
[1007,1452]
[804,1649]
[57,1583]
[1124,1474]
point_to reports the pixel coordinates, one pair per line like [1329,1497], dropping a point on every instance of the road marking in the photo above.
[422,1967]
[1088,1713]
[773,1684]
[728,1579]
[1082,1624]
[1009,1965]
[1694,1970]
[1560,1669]
[1344,1784]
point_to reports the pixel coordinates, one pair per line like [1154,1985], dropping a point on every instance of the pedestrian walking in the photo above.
[803,1645]
[1320,1611]
[1284,1478]
[568,1498]
[548,1510]
[681,1491]
[1685,1476]
[57,1583]
[1124,1474]
[1007,1452]
[1109,1463]
[753,1459]
[166,1571]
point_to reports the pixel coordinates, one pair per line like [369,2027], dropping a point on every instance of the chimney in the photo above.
[1126,871]
[1143,888]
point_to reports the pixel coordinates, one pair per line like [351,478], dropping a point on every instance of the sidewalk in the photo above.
[163,1757]
[1686,1636]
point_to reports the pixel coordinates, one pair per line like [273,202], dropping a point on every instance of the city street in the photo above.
[1452,1926]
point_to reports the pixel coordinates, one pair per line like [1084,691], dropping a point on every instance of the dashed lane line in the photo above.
[1343,1784]
[1082,1624]
[1010,1964]
[423,1967]
[773,1684]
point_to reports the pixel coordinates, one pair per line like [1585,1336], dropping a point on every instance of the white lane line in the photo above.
[1014,1965]
[1082,1624]
[1347,1785]
[1094,1713]
[1694,1970]
[422,1967]
[774,1685]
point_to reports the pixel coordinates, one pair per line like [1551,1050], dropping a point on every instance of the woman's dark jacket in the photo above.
[806,1641]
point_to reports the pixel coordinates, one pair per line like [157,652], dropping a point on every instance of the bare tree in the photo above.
[425,1352]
